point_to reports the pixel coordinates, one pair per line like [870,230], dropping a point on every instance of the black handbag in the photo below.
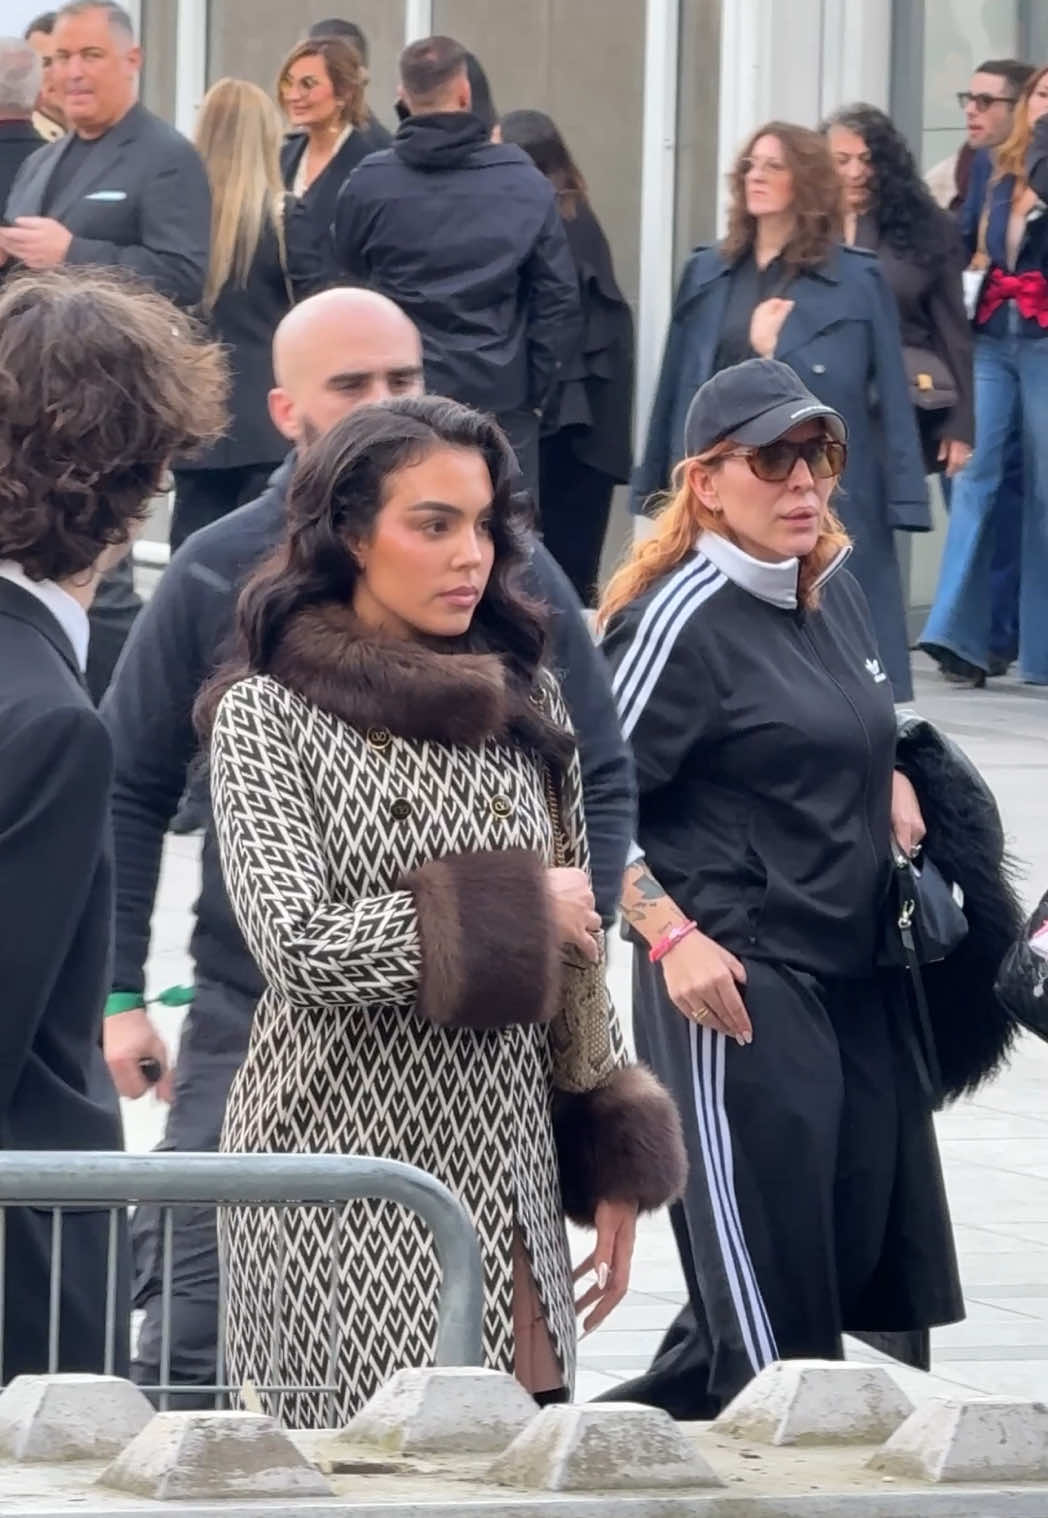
[924,925]
[1022,984]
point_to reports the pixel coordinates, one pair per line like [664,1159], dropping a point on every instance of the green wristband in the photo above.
[123,1001]
[132,1001]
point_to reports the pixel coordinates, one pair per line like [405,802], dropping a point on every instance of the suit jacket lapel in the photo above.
[31,200]
[96,165]
[19,603]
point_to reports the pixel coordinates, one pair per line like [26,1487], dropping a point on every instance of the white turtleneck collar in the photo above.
[774,583]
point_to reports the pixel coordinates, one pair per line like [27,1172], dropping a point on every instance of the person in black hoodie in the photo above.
[321,87]
[334,352]
[585,448]
[464,234]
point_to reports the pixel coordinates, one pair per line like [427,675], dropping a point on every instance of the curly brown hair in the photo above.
[816,197]
[102,382]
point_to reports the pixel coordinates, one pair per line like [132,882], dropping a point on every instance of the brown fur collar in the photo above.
[413,690]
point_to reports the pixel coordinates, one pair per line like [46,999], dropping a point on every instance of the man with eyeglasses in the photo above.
[989,101]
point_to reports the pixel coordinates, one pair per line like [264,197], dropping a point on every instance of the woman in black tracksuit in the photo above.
[763,730]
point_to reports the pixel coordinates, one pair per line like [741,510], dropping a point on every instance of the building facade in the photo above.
[653,96]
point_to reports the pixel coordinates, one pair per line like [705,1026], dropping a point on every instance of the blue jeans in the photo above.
[1007,548]
[1011,377]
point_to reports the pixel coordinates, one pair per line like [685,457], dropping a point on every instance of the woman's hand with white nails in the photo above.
[610,1262]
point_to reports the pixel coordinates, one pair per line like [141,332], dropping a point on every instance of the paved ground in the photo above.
[995,1149]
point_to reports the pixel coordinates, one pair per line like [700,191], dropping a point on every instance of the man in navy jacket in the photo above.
[465,235]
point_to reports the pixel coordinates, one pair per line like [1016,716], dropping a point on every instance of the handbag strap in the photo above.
[922,1037]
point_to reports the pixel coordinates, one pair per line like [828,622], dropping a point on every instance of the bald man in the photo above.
[334,352]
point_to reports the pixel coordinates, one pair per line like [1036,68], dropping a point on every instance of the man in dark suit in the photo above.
[84,439]
[20,76]
[122,190]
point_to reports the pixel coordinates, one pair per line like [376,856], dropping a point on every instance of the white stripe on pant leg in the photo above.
[713,1050]
[709,1155]
[749,1275]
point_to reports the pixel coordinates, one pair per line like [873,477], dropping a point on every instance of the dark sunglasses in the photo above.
[983,102]
[775,462]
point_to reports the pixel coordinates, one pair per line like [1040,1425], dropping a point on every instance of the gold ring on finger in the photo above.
[702,1014]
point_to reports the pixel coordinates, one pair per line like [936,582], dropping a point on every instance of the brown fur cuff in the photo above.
[620,1143]
[489,952]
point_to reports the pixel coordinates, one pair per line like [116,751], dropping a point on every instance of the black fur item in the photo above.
[973,1031]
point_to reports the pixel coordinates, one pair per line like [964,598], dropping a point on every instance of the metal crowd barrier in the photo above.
[75,1181]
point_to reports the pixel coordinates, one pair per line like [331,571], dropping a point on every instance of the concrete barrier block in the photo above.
[442,1410]
[182,1456]
[817,1402]
[70,1417]
[977,1439]
[602,1448]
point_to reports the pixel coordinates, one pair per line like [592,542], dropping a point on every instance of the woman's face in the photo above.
[307,92]
[769,520]
[767,179]
[1037,105]
[426,564]
[854,166]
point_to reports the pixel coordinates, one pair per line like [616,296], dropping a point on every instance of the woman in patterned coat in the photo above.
[383,752]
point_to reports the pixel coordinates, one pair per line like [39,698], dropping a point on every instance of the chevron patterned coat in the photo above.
[384,832]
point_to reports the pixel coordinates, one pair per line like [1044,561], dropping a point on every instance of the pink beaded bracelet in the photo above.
[670,941]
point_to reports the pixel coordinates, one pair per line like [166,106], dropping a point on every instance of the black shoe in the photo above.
[999,666]
[954,669]
[190,817]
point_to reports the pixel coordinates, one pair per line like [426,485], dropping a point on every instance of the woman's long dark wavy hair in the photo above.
[540,138]
[908,218]
[338,490]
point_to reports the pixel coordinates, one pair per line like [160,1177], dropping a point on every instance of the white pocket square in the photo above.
[107,195]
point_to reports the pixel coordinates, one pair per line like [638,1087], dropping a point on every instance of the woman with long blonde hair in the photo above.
[1005,221]
[761,721]
[261,257]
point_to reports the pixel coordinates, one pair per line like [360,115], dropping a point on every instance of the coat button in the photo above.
[501,807]
[379,737]
[401,810]
[818,368]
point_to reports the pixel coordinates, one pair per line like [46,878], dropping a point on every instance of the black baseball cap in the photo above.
[754,402]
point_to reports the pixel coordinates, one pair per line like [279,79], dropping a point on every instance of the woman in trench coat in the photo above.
[780,285]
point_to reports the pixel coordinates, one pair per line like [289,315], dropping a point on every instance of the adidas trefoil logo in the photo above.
[874,667]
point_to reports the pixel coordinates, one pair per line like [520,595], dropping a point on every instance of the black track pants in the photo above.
[814,1196]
